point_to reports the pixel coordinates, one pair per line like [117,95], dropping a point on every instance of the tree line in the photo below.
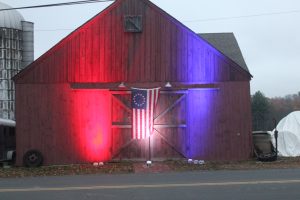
[265,110]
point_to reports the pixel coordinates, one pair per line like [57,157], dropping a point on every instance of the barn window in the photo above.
[133,23]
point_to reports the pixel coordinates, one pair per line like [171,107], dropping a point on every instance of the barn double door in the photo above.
[169,139]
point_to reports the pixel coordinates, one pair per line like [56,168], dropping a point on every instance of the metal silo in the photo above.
[16,52]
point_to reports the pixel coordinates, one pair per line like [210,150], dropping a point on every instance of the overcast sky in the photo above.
[270,43]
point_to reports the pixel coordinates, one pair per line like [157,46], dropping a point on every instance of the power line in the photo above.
[204,20]
[57,4]
[243,16]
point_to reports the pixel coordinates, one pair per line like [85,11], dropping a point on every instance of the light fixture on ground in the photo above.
[149,163]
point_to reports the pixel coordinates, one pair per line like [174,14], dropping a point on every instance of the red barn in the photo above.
[73,103]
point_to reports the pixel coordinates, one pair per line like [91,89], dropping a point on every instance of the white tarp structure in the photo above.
[288,135]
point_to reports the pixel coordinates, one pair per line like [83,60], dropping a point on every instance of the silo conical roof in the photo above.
[10,18]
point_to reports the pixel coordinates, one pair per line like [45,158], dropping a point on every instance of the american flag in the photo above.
[143,104]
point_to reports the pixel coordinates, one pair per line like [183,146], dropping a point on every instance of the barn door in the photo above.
[169,139]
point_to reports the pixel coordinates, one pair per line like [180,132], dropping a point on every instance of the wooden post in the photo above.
[149,148]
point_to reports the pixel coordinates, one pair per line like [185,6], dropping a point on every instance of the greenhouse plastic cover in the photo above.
[288,135]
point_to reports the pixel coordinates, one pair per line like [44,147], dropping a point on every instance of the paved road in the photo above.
[240,185]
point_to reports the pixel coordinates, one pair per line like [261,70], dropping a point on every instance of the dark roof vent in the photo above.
[133,23]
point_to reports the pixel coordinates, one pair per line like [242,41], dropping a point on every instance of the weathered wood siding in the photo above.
[100,51]
[76,125]
[66,126]
[170,136]
[220,122]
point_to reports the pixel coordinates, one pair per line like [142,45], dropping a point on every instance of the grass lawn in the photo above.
[131,167]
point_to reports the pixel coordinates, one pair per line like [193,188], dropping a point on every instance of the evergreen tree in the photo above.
[260,111]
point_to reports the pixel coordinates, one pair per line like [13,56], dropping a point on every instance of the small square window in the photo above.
[133,23]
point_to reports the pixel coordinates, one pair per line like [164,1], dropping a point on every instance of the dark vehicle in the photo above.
[263,147]
[7,140]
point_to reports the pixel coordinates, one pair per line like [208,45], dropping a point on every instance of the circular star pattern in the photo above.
[139,100]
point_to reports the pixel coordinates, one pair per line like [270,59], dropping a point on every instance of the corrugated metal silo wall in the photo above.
[27,43]
[10,63]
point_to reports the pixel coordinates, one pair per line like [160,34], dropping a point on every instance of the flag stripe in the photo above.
[138,123]
[151,112]
[133,122]
[143,124]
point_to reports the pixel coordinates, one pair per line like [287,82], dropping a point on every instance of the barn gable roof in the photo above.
[214,44]
[228,45]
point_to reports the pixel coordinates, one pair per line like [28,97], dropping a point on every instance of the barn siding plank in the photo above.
[82,55]
[113,73]
[118,51]
[173,54]
[77,59]
[147,43]
[102,52]
[70,58]
[89,54]
[95,53]
[152,45]
[166,50]
[108,49]
[179,51]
